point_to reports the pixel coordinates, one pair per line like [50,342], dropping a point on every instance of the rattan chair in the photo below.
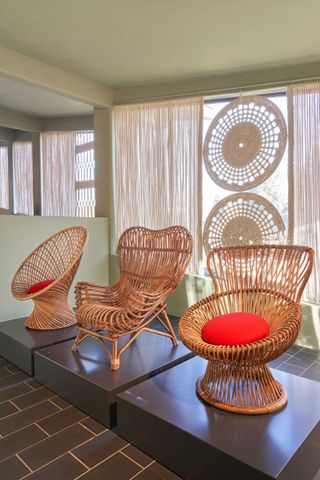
[152,264]
[57,260]
[264,280]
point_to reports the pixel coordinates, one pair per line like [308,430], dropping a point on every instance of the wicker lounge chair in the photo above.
[152,264]
[45,277]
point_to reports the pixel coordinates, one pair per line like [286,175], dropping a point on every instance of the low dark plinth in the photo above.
[165,418]
[18,343]
[84,378]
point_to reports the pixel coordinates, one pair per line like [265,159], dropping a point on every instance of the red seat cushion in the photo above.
[235,329]
[39,286]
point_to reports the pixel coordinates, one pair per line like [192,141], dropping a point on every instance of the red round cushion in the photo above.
[39,286]
[235,329]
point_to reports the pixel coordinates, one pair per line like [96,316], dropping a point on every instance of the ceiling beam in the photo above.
[220,84]
[32,71]
[19,121]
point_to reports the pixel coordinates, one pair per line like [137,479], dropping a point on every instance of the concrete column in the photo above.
[103,158]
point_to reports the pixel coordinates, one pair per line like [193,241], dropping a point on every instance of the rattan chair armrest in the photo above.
[89,292]
[284,330]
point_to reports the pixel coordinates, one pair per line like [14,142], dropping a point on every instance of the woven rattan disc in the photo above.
[242,219]
[245,143]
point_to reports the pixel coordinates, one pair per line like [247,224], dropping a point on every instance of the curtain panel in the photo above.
[58,174]
[4,178]
[22,178]
[304,149]
[158,155]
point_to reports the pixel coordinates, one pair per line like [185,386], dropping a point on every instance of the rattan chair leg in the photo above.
[51,313]
[244,389]
[170,329]
[81,336]
[115,357]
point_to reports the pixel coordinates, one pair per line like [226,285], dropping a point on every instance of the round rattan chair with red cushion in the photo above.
[46,276]
[257,290]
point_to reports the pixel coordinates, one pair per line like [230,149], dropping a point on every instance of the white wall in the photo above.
[19,235]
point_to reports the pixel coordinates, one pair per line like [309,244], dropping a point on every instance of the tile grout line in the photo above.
[7,368]
[69,451]
[78,459]
[24,410]
[32,389]
[34,423]
[143,469]
[55,405]
[44,431]
[99,463]
[54,459]
[22,394]
[24,463]
[309,366]
[16,406]
[93,433]
[303,368]
[127,456]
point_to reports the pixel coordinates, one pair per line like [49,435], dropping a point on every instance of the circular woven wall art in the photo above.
[242,219]
[245,143]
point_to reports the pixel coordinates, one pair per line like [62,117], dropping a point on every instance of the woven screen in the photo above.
[245,143]
[243,219]
[243,146]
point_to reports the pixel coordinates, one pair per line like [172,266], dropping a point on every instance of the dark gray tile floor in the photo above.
[44,437]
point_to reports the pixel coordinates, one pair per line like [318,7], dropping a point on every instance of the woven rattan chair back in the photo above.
[283,269]
[153,260]
[57,259]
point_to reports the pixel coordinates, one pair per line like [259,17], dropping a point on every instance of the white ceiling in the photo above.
[128,42]
[125,42]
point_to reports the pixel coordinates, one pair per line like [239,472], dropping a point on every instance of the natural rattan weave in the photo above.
[245,143]
[152,264]
[266,280]
[57,259]
[242,219]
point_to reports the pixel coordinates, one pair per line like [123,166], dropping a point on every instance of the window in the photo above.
[68,166]
[85,167]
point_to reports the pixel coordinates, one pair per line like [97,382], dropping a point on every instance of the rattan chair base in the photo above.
[114,353]
[250,390]
[60,315]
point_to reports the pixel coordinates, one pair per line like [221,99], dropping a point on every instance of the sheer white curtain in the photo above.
[58,173]
[304,143]
[158,167]
[4,178]
[22,178]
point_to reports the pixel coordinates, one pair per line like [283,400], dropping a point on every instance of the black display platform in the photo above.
[165,418]
[84,378]
[18,343]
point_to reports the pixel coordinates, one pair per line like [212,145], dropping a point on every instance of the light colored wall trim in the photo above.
[81,122]
[19,121]
[22,67]
[221,84]
[6,135]
[103,159]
